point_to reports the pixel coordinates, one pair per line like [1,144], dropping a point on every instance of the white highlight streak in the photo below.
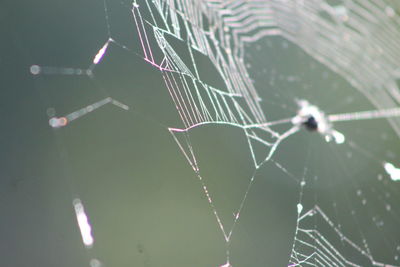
[392,171]
[83,223]
[365,115]
[299,208]
[100,54]
[339,137]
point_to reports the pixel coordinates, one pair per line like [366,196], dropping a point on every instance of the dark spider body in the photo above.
[311,124]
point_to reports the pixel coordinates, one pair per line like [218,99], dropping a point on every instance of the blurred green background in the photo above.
[146,205]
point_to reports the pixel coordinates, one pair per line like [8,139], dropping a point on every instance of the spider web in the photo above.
[350,225]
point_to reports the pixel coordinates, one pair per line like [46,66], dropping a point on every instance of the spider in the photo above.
[311,124]
[314,120]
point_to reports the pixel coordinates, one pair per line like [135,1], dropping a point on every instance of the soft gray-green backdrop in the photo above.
[145,203]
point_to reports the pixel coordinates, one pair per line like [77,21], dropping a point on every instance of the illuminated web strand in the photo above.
[365,115]
[47,70]
[190,156]
[370,215]
[63,121]
[83,223]
[85,229]
[335,35]
[324,249]
[100,54]
[314,234]
[246,126]
[215,106]
[270,123]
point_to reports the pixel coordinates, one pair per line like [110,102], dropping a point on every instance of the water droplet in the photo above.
[35,69]
[299,208]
